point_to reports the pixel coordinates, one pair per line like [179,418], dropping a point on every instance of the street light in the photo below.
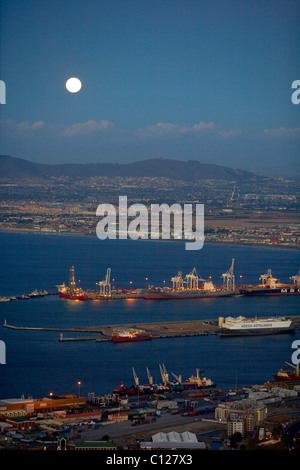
[79,383]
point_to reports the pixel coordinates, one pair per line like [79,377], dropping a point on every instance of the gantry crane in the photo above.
[178,281]
[229,278]
[105,286]
[192,279]
[268,280]
[296,279]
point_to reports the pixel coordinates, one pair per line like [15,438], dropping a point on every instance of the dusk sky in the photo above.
[186,79]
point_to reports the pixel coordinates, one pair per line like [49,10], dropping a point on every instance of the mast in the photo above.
[72,283]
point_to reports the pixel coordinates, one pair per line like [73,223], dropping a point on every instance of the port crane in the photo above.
[229,278]
[268,279]
[178,378]
[178,281]
[164,374]
[192,279]
[296,367]
[105,286]
[136,379]
[149,377]
[296,279]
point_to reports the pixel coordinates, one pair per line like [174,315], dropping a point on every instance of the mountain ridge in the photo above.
[14,168]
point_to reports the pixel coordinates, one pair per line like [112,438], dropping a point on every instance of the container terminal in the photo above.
[183,287]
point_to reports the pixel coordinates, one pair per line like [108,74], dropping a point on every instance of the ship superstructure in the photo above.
[254,326]
[130,335]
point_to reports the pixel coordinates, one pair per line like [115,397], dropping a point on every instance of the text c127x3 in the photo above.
[155,459]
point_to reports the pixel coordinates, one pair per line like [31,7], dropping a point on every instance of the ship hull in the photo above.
[73,297]
[183,295]
[258,331]
[134,391]
[127,339]
[191,386]
[269,291]
[288,378]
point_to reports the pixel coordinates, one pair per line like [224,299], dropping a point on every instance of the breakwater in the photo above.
[156,330]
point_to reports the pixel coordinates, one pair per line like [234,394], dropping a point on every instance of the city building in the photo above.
[243,415]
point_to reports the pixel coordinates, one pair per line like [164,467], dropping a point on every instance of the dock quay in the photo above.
[156,330]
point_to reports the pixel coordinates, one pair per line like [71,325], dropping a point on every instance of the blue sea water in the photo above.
[37,363]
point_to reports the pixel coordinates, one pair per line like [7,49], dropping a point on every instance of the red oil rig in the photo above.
[71,291]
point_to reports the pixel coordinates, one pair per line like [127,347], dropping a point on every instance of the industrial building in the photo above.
[25,406]
[173,440]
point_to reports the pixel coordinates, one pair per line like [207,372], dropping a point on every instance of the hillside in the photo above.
[16,169]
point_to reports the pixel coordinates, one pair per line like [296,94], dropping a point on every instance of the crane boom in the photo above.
[136,379]
[149,376]
[177,377]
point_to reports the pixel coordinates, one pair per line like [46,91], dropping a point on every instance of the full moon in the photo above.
[73,85]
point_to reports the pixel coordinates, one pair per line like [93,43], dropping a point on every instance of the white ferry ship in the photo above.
[254,326]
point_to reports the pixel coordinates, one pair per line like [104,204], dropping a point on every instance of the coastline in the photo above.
[220,242]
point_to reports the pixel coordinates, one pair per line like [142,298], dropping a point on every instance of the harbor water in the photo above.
[37,363]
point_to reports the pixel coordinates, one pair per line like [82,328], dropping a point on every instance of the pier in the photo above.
[157,330]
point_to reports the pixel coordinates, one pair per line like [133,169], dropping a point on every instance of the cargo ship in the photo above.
[71,292]
[157,293]
[188,287]
[198,382]
[193,383]
[287,375]
[135,390]
[264,326]
[122,336]
[271,286]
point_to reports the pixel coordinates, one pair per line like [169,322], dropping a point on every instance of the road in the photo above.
[165,423]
